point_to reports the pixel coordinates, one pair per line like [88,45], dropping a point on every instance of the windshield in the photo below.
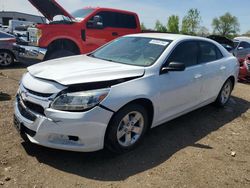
[137,51]
[81,13]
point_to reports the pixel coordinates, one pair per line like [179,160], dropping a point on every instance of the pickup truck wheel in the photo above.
[6,58]
[224,94]
[126,129]
[59,53]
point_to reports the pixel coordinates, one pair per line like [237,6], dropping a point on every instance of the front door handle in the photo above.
[197,76]
[114,34]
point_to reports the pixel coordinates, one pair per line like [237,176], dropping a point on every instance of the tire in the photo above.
[121,138]
[224,94]
[6,59]
[59,53]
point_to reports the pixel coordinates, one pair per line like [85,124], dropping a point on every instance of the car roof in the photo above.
[246,39]
[168,36]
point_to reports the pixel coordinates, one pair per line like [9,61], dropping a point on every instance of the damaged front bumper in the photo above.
[29,52]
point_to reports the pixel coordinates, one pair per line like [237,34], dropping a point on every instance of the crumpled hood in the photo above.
[83,69]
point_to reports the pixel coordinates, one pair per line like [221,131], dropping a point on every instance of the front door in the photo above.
[180,91]
[114,25]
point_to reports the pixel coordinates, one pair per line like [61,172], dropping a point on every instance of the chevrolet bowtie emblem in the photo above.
[24,94]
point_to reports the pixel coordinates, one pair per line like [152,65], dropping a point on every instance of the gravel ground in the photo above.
[209,147]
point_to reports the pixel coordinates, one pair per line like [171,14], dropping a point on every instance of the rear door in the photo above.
[211,59]
[180,91]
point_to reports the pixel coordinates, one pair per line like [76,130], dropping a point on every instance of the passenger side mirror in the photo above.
[173,66]
[95,22]
[240,48]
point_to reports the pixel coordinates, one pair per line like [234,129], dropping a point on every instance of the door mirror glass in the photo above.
[173,66]
[95,22]
[240,48]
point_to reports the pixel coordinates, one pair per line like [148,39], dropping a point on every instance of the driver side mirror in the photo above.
[95,22]
[173,66]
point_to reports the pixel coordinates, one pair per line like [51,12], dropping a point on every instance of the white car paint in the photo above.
[172,94]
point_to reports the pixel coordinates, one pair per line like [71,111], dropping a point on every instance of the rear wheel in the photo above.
[6,58]
[224,94]
[127,128]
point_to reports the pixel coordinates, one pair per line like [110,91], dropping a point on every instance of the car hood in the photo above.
[50,8]
[83,69]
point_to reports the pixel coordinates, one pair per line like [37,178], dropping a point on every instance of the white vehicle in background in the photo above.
[13,24]
[111,97]
[241,47]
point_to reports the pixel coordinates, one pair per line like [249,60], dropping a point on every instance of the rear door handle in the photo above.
[114,34]
[197,76]
[222,68]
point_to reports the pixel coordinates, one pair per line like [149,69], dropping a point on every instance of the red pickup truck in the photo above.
[77,33]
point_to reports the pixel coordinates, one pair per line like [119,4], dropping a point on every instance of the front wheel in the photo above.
[127,128]
[58,54]
[224,94]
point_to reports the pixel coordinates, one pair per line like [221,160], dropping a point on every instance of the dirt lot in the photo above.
[191,151]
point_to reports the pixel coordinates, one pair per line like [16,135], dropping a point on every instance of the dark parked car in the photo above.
[225,42]
[7,56]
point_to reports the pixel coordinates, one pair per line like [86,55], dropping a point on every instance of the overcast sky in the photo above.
[151,10]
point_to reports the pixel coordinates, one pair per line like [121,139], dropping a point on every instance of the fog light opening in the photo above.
[73,138]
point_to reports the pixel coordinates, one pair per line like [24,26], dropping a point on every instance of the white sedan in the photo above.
[111,97]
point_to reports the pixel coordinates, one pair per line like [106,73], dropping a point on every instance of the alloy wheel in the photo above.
[130,129]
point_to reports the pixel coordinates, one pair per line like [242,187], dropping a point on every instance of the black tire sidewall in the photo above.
[12,59]
[111,141]
[59,54]
[218,100]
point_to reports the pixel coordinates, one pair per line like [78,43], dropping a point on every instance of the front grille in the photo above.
[24,112]
[45,95]
[34,107]
[23,128]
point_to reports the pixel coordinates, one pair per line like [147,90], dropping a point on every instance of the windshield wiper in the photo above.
[92,55]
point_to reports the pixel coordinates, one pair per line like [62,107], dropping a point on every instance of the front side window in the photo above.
[117,20]
[186,52]
[244,45]
[137,51]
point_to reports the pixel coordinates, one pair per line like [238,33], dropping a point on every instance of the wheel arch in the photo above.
[232,79]
[146,103]
[7,50]
[63,43]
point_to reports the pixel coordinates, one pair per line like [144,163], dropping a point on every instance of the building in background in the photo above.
[6,16]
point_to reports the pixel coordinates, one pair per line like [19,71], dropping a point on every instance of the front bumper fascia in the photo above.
[29,52]
[54,130]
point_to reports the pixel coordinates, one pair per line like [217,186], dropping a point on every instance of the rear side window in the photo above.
[208,52]
[186,52]
[244,45]
[118,20]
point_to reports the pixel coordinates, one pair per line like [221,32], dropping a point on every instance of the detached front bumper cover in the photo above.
[29,52]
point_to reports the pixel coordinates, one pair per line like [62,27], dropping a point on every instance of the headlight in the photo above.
[38,35]
[79,101]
